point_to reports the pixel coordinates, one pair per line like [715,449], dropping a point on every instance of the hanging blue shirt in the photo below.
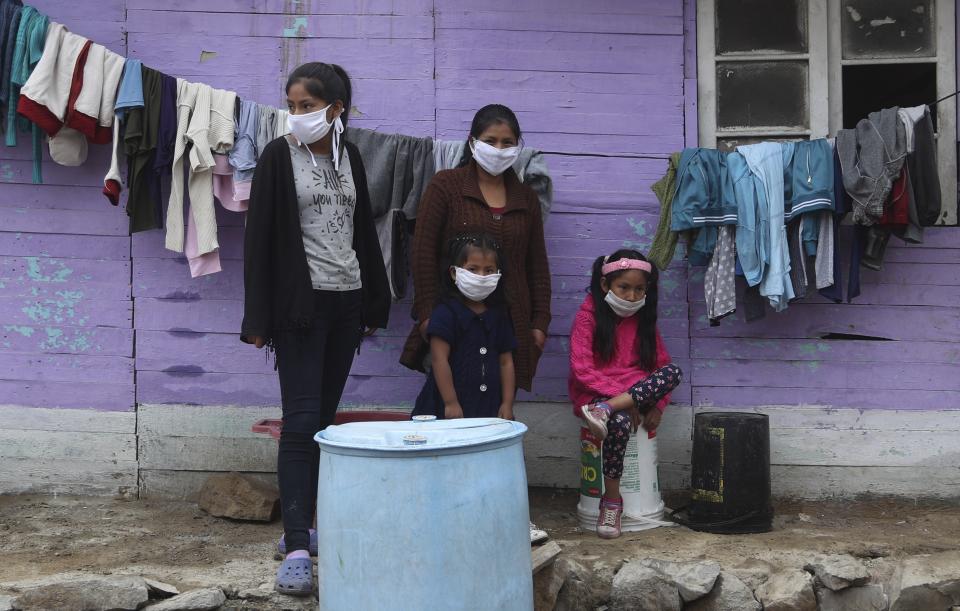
[476,343]
[130,93]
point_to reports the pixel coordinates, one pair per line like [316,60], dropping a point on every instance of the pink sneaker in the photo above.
[608,522]
[596,418]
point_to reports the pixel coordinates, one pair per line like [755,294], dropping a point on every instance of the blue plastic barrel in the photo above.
[423,515]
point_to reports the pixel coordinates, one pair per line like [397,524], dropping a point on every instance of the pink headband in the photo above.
[624,264]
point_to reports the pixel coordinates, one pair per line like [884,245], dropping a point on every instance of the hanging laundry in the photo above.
[166,135]
[801,264]
[10,11]
[398,169]
[719,282]
[753,232]
[141,127]
[841,202]
[205,124]
[244,154]
[273,124]
[766,162]
[924,175]
[871,156]
[129,95]
[25,54]
[447,154]
[665,241]
[704,200]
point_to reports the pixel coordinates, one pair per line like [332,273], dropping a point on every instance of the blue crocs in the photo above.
[295,577]
[282,544]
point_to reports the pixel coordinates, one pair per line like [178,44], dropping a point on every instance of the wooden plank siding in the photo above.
[94,321]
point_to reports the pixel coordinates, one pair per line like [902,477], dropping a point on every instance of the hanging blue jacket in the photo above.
[753,232]
[703,199]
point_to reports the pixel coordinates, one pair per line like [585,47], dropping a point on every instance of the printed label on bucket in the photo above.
[635,478]
[591,482]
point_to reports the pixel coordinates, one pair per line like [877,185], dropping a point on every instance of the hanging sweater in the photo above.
[46,94]
[589,377]
[204,124]
[665,241]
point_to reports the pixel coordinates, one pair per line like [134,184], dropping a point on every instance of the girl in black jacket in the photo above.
[314,283]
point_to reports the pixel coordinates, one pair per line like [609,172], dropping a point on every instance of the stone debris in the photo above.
[839,571]
[206,599]
[637,587]
[93,593]
[546,586]
[729,594]
[857,598]
[693,579]
[158,589]
[754,572]
[930,581]
[239,497]
[6,603]
[788,590]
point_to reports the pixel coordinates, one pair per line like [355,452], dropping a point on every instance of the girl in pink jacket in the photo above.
[620,373]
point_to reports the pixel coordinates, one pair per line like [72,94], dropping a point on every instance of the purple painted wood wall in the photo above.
[90,317]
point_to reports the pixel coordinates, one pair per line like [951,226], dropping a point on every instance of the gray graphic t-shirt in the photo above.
[327,200]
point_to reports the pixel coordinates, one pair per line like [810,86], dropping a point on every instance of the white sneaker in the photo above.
[537,535]
[596,418]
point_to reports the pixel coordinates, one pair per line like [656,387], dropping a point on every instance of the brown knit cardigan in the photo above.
[452,204]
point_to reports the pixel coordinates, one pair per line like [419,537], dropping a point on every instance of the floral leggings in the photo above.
[645,394]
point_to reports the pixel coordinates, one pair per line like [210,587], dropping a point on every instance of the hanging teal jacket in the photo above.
[31,36]
[703,200]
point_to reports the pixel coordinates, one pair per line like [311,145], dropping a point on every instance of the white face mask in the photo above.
[474,286]
[622,307]
[495,161]
[311,127]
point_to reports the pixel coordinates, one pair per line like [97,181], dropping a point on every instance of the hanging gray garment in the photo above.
[824,262]
[398,169]
[871,157]
[719,282]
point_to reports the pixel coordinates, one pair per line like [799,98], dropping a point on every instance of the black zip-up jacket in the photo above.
[278,292]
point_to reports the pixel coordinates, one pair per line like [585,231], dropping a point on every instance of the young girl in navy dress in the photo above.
[471,337]
[620,373]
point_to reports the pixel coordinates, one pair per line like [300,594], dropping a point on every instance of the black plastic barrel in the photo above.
[730,475]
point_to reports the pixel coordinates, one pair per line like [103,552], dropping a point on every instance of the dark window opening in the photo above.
[761,25]
[872,87]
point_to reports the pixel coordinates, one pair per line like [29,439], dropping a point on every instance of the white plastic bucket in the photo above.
[639,485]
[423,515]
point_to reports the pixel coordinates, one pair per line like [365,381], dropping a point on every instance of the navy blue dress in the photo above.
[476,343]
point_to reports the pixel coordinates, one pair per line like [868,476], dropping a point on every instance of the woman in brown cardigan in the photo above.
[484,194]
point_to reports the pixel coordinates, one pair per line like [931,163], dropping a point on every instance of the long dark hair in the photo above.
[491,114]
[458,248]
[328,82]
[606,319]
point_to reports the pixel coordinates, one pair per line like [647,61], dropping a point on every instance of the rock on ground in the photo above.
[583,588]
[729,594]
[240,497]
[790,590]
[84,593]
[693,579]
[640,588]
[194,600]
[6,603]
[928,582]
[546,586]
[158,589]
[839,571]
[753,571]
[857,598]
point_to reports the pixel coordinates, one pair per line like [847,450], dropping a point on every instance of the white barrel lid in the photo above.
[414,436]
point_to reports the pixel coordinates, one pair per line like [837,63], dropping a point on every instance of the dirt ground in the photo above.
[179,544]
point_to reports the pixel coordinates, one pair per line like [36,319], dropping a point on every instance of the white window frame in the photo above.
[825,84]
